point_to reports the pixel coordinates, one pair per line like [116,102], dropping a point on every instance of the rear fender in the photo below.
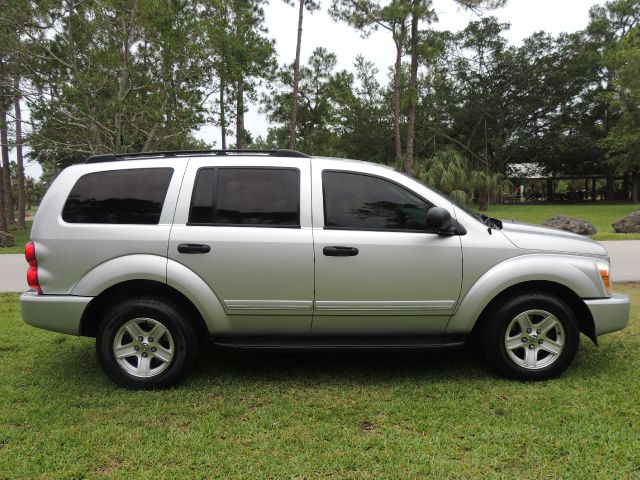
[118,270]
[201,295]
[159,269]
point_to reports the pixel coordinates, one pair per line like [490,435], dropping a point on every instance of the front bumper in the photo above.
[609,314]
[58,313]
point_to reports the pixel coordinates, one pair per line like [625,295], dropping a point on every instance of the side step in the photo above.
[327,342]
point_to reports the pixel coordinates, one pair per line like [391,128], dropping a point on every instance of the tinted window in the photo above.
[119,196]
[202,210]
[364,202]
[246,196]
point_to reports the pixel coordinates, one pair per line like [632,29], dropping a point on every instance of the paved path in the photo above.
[625,260]
[13,273]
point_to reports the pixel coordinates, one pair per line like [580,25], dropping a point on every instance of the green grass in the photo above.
[601,216]
[21,236]
[317,415]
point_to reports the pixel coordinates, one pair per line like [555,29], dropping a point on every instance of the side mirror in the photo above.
[439,221]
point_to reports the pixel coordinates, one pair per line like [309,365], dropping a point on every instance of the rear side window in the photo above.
[134,196]
[246,197]
[364,202]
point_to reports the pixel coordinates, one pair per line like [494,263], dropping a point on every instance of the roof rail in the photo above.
[115,157]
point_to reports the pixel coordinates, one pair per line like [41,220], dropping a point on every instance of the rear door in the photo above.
[243,225]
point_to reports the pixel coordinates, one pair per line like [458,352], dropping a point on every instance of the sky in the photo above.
[525,17]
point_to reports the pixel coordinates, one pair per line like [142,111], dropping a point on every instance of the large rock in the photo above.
[628,224]
[7,240]
[570,224]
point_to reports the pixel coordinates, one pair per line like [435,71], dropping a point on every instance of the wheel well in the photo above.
[95,309]
[583,315]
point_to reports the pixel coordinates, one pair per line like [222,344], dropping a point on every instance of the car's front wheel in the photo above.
[145,342]
[532,336]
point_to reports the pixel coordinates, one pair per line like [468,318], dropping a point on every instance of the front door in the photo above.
[378,271]
[246,231]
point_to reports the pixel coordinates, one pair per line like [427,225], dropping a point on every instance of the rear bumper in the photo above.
[609,314]
[58,313]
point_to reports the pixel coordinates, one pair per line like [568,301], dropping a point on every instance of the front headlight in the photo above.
[604,269]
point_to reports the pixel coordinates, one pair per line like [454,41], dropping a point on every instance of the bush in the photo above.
[449,172]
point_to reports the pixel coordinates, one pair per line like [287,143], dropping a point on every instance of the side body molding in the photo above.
[577,273]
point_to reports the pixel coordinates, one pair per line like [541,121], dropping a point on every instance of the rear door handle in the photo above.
[340,251]
[193,248]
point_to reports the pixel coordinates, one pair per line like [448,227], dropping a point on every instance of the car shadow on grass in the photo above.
[359,366]
[77,364]
[369,366]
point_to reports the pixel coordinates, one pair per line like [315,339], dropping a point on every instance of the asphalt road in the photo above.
[625,266]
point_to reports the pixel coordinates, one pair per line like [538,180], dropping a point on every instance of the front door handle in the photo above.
[340,251]
[193,248]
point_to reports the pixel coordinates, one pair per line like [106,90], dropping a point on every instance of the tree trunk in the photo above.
[148,143]
[122,84]
[3,218]
[635,188]
[296,81]
[483,204]
[6,173]
[396,92]
[240,137]
[223,118]
[21,191]
[413,89]
[610,186]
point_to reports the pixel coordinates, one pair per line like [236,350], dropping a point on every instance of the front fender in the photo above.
[576,273]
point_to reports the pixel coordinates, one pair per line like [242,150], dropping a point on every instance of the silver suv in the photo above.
[153,253]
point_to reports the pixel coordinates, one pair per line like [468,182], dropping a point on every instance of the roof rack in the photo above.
[115,157]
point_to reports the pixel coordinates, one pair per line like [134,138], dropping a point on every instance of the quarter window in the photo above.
[247,197]
[133,196]
[364,202]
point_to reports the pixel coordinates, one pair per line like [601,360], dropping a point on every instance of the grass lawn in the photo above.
[601,216]
[317,415]
[21,236]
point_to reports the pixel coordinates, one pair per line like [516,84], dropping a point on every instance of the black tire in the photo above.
[500,317]
[181,342]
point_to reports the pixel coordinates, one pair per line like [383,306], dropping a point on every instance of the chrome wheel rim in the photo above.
[534,339]
[143,347]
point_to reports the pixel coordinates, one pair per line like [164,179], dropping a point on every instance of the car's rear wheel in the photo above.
[532,336]
[145,342]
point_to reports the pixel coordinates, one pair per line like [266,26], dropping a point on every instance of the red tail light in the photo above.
[32,273]
[30,253]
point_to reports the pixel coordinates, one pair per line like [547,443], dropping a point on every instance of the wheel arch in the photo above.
[92,314]
[585,320]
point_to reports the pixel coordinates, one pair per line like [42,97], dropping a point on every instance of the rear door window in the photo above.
[263,197]
[133,196]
